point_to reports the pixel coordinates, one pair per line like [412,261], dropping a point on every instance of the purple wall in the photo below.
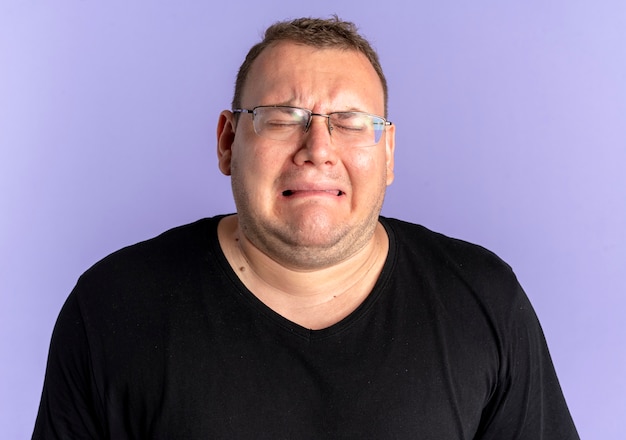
[511,133]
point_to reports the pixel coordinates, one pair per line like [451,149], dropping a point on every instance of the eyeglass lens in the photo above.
[290,123]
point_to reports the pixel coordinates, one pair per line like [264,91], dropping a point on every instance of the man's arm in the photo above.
[68,407]
[528,403]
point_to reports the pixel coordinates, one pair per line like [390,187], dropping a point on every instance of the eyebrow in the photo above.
[289,104]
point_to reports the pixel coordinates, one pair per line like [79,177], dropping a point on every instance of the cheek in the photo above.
[253,170]
[368,177]
[244,156]
[369,166]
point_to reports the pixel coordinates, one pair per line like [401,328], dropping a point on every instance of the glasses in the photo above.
[284,123]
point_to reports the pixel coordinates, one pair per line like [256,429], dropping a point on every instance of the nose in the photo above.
[328,126]
[316,146]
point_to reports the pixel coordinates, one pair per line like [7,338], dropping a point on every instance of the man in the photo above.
[305,315]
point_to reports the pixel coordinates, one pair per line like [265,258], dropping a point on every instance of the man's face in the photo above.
[307,204]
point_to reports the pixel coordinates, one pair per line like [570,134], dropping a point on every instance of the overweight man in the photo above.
[305,314]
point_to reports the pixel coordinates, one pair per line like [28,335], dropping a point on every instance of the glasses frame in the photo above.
[253,110]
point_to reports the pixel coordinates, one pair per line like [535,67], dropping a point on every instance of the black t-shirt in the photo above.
[162,340]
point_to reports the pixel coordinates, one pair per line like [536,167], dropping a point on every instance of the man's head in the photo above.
[308,181]
[316,32]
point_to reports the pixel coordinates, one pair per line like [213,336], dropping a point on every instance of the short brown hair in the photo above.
[316,32]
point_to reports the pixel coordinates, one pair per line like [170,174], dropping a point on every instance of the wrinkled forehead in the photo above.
[298,74]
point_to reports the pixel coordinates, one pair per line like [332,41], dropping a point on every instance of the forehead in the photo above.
[301,75]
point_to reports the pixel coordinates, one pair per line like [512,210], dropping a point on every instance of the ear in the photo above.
[390,148]
[225,137]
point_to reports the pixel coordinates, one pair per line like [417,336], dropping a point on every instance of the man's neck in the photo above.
[311,298]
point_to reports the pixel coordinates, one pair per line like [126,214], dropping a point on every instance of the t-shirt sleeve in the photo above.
[68,407]
[527,403]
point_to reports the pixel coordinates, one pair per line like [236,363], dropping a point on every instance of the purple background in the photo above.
[511,132]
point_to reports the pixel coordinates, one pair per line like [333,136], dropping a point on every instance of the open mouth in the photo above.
[290,192]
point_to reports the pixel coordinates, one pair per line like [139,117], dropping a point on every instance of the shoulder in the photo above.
[453,265]
[172,244]
[156,262]
[419,240]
